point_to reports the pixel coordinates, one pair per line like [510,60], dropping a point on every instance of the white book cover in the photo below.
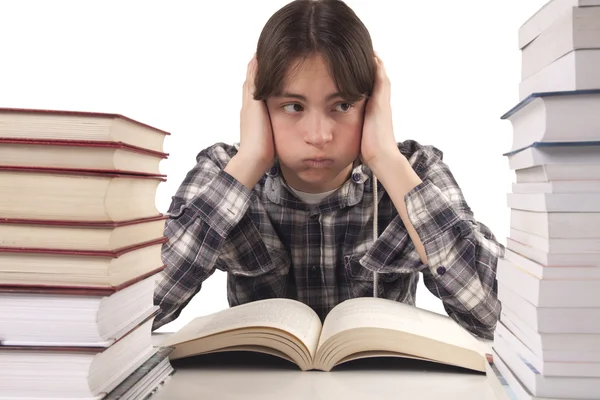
[566,387]
[556,118]
[550,320]
[557,225]
[554,347]
[583,265]
[556,245]
[555,202]
[559,156]
[576,70]
[572,293]
[581,186]
[557,172]
[546,16]
[548,368]
[577,28]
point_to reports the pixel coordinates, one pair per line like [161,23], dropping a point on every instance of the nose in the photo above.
[318,130]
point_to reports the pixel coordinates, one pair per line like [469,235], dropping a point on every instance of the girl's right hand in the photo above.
[256,134]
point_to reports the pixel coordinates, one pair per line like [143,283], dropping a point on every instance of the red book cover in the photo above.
[84,143]
[81,114]
[80,224]
[92,253]
[87,172]
[92,291]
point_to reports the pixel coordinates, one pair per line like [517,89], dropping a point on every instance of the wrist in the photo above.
[247,170]
[393,170]
[388,161]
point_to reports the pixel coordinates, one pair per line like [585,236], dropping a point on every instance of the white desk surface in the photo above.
[258,376]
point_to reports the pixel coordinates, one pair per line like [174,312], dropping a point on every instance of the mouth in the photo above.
[318,162]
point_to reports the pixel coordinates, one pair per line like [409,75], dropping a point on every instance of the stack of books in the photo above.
[547,342]
[80,248]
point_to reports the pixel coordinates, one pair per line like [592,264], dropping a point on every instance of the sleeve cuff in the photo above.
[437,224]
[222,203]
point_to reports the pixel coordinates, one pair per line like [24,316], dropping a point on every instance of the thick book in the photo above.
[576,70]
[79,235]
[553,347]
[79,268]
[80,155]
[556,245]
[548,14]
[580,186]
[558,172]
[555,202]
[577,28]
[73,372]
[544,292]
[554,320]
[559,154]
[550,368]
[356,328]
[19,123]
[573,263]
[538,384]
[146,380]
[555,117]
[78,317]
[557,225]
[52,194]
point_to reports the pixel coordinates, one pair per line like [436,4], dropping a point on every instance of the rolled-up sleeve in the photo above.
[207,205]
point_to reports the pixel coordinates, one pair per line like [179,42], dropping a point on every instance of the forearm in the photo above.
[196,230]
[398,178]
[459,254]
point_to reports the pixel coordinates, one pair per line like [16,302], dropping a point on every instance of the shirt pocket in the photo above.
[259,278]
[356,272]
[392,286]
[255,264]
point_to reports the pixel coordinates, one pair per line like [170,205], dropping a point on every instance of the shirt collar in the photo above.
[349,194]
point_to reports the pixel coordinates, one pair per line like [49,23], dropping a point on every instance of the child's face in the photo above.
[317,137]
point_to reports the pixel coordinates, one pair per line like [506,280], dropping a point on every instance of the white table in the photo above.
[258,376]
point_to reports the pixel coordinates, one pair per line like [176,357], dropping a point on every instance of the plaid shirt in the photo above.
[271,244]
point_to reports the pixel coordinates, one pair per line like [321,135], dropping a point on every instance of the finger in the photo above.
[251,71]
[250,77]
[381,72]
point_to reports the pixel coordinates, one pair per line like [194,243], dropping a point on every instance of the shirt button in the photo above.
[356,177]
[441,270]
[273,171]
[314,272]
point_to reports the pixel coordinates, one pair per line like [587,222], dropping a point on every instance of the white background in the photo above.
[180,66]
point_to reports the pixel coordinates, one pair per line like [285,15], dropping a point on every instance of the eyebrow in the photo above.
[303,98]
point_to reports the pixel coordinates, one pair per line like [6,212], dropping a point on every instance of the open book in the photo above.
[356,328]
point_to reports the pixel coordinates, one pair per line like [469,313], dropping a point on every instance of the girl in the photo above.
[318,202]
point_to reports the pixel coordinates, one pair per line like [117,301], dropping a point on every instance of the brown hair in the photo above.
[306,27]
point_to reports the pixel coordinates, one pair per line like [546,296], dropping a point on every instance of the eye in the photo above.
[345,107]
[292,108]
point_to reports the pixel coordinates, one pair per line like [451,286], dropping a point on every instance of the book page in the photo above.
[369,312]
[288,315]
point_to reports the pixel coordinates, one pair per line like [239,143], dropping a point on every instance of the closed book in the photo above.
[78,316]
[80,268]
[72,371]
[577,28]
[80,155]
[52,194]
[19,123]
[555,117]
[79,235]
[549,13]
